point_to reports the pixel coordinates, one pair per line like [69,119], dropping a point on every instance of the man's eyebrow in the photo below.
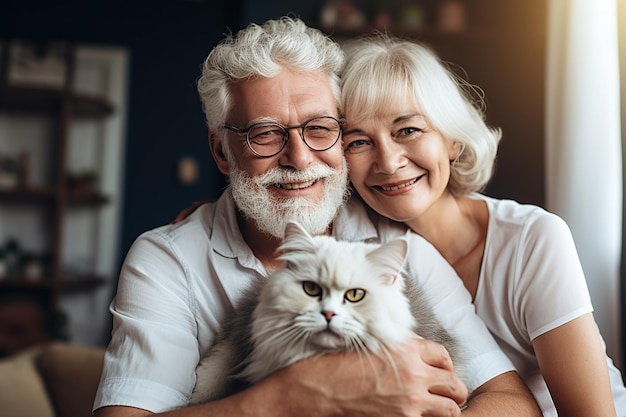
[264,119]
[269,119]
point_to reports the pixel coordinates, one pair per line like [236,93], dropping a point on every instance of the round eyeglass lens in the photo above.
[321,133]
[266,139]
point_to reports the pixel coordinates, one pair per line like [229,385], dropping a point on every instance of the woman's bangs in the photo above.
[376,93]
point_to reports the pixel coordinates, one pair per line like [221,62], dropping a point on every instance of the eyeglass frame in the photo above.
[285,129]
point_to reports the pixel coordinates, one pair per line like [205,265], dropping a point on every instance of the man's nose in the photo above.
[296,153]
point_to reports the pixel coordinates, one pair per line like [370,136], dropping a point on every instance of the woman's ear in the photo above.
[216,145]
[455,150]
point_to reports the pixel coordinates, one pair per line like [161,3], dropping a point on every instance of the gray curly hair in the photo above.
[264,50]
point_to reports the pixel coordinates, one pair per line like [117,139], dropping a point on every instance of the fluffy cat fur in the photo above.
[329,296]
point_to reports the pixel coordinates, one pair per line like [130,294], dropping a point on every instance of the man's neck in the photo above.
[263,245]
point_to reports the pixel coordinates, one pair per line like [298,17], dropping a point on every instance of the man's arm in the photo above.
[420,383]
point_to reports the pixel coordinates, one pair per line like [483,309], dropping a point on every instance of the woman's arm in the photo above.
[571,356]
[573,363]
[504,395]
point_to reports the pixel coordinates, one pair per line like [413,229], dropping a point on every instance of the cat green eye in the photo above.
[354,295]
[312,289]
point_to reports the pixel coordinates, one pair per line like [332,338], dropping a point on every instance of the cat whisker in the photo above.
[276,336]
[363,352]
[380,350]
[385,354]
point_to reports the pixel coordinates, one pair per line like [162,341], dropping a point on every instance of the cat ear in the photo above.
[391,256]
[297,239]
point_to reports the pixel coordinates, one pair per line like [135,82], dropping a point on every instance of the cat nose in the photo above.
[328,315]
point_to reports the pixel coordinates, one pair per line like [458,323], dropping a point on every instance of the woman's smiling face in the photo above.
[399,164]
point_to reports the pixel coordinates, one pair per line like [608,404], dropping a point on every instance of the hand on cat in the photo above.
[422,383]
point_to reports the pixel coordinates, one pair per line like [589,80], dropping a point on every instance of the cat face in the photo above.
[334,296]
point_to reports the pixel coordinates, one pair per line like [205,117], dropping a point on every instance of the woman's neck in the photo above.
[457,227]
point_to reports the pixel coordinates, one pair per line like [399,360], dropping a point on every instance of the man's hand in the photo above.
[416,381]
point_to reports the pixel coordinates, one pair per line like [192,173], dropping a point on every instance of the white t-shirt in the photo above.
[531,282]
[178,282]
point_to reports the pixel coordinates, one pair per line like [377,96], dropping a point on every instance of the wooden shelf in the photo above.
[28,195]
[60,194]
[84,282]
[92,198]
[73,283]
[41,100]
[42,194]
[59,136]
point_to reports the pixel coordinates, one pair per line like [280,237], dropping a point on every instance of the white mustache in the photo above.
[281,175]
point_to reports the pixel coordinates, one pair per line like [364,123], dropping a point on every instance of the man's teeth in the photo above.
[397,187]
[295,185]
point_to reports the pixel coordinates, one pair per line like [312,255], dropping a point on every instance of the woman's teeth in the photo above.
[399,186]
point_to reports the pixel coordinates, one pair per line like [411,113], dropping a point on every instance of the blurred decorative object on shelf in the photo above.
[17,263]
[40,64]
[10,256]
[31,266]
[382,20]
[412,16]
[452,16]
[342,15]
[9,172]
[23,160]
[82,182]
[3,264]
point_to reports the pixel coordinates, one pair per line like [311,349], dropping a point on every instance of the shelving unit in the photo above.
[53,198]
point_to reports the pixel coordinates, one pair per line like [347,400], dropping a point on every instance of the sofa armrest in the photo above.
[71,374]
[22,391]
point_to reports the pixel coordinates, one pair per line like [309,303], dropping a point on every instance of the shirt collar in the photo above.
[226,238]
[353,223]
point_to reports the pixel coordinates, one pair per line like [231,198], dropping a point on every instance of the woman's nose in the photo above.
[389,157]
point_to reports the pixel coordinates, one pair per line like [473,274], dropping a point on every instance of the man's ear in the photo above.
[216,144]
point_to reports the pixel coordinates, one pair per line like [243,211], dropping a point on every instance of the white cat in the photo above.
[329,296]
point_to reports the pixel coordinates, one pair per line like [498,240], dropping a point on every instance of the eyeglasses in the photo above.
[268,139]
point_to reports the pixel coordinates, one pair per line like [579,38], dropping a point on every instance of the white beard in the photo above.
[271,215]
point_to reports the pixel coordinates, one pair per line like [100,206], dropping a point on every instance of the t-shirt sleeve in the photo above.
[551,287]
[453,308]
[151,359]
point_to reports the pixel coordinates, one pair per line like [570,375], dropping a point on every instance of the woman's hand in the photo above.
[187,211]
